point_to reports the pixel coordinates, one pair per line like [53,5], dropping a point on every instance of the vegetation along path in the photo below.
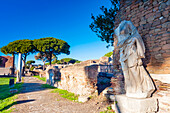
[36,99]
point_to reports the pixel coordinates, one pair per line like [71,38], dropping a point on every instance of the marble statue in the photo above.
[138,83]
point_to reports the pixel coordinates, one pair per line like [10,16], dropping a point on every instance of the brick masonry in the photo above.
[7,61]
[152,19]
[79,78]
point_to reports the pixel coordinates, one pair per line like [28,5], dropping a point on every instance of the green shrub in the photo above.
[32,68]
[108,54]
[77,61]
[47,63]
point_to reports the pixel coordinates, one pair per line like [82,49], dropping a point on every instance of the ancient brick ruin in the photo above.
[151,18]
[6,65]
[79,78]
[7,61]
[87,77]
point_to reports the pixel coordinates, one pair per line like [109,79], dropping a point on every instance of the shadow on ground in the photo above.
[24,101]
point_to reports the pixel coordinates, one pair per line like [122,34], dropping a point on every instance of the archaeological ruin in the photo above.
[151,19]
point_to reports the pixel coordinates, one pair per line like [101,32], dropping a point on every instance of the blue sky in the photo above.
[68,20]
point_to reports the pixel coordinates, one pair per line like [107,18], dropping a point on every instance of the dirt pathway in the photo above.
[35,99]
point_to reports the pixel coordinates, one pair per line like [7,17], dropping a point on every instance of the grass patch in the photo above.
[40,78]
[66,94]
[7,98]
[109,110]
[47,86]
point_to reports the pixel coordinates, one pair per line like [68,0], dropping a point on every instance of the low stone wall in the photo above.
[5,71]
[79,79]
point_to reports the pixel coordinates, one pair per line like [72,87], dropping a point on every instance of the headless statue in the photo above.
[138,83]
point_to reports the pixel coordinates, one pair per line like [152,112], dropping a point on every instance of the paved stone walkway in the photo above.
[35,99]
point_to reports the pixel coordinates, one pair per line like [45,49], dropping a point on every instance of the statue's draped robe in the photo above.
[138,83]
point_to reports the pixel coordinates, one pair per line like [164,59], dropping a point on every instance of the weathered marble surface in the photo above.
[138,83]
[125,104]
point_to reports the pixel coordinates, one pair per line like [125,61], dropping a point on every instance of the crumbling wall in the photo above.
[152,19]
[7,61]
[79,78]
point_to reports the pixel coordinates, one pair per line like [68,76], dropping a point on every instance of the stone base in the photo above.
[124,104]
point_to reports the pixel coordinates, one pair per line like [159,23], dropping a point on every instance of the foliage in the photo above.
[64,61]
[109,110]
[51,46]
[27,67]
[19,46]
[77,61]
[103,24]
[40,78]
[30,62]
[44,57]
[109,54]
[25,47]
[68,60]
[6,98]
[48,63]
[66,94]
[32,68]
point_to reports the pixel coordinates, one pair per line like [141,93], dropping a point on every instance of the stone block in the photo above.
[13,90]
[126,104]
[83,99]
[11,83]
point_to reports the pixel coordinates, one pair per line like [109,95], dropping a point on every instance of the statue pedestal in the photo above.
[126,104]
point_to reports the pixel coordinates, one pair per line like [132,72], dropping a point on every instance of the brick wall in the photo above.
[152,19]
[79,79]
[7,61]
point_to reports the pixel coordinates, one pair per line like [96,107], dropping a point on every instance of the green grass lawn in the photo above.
[66,94]
[40,78]
[6,98]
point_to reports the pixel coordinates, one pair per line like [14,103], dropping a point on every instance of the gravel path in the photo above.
[35,99]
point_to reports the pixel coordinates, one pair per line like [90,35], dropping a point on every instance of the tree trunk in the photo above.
[50,58]
[13,64]
[43,65]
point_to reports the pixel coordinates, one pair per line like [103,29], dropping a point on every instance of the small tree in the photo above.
[44,58]
[51,46]
[103,24]
[68,60]
[30,63]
